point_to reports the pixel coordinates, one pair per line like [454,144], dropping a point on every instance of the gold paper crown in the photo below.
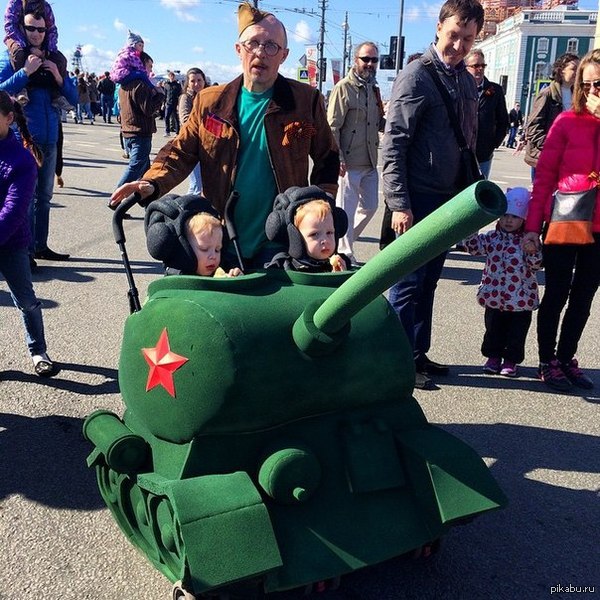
[249,15]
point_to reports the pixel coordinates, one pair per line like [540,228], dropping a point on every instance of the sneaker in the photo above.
[508,369]
[492,366]
[43,366]
[553,376]
[575,375]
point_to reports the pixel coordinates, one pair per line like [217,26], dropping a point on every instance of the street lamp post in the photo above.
[400,45]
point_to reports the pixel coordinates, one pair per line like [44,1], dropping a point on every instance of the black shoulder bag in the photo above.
[469,171]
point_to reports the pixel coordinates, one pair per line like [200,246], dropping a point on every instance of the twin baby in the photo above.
[305,220]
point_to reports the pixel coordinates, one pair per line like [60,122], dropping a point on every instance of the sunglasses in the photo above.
[32,28]
[477,66]
[369,59]
[587,85]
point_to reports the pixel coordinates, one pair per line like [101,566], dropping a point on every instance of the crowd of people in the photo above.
[318,171]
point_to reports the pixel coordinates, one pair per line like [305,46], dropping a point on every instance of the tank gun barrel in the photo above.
[321,328]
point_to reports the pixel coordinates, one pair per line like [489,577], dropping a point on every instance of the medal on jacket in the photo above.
[213,124]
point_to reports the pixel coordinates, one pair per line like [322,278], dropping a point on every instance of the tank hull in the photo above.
[271,437]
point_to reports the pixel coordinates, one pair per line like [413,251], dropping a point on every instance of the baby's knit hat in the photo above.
[133,38]
[249,15]
[517,200]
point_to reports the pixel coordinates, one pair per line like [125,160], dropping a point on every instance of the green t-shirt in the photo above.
[254,179]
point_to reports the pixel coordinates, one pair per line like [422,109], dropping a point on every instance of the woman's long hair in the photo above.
[8,105]
[579,96]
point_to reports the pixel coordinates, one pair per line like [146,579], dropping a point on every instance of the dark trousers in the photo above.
[412,297]
[505,334]
[171,119]
[573,275]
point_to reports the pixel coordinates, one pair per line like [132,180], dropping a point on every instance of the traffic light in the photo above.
[393,50]
[386,62]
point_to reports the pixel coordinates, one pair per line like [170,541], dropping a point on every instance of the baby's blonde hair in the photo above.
[201,222]
[320,208]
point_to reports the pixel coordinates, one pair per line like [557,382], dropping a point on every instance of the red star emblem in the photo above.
[163,363]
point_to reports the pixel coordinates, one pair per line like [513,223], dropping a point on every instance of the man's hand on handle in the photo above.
[143,188]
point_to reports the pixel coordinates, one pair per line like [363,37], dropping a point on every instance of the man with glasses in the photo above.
[355,114]
[421,160]
[43,121]
[253,135]
[492,115]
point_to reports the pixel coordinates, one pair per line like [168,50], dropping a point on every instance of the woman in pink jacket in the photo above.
[570,161]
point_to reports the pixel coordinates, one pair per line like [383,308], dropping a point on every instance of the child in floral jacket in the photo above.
[508,289]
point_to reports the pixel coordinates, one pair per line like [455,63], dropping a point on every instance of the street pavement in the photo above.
[58,540]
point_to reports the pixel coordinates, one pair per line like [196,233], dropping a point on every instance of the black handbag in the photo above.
[468,170]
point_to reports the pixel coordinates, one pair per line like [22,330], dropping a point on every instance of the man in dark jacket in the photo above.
[421,159]
[139,103]
[515,120]
[172,93]
[492,114]
[106,87]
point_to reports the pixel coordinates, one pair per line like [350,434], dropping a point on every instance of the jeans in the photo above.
[39,210]
[107,105]
[85,107]
[195,181]
[14,265]
[138,148]
[505,334]
[486,167]
[562,285]
[358,197]
[171,118]
[512,134]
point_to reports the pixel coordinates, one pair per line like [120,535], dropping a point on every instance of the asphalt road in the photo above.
[58,541]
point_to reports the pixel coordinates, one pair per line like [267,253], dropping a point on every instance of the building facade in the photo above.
[520,55]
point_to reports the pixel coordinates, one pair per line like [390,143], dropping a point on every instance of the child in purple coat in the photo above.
[18,174]
[128,64]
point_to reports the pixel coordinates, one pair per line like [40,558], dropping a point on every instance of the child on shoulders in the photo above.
[508,289]
[128,64]
[19,49]
[309,223]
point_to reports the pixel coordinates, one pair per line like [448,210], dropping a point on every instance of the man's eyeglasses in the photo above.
[33,28]
[270,48]
[587,85]
[477,66]
[369,59]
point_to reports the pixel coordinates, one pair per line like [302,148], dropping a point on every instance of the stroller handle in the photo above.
[117,220]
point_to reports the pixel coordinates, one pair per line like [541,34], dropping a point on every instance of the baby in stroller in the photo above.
[186,234]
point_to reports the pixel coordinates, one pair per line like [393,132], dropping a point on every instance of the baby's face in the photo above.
[510,223]
[207,247]
[139,47]
[319,235]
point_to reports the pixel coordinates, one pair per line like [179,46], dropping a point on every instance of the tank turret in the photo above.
[270,433]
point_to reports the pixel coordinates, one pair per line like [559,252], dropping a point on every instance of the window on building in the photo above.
[543,45]
[573,45]
[541,71]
